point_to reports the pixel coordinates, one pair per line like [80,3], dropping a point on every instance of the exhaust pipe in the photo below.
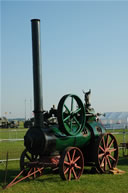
[37,74]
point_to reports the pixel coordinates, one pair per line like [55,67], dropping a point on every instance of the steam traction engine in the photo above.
[66,138]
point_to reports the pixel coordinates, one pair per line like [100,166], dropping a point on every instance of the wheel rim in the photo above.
[107,153]
[71,114]
[71,164]
[25,158]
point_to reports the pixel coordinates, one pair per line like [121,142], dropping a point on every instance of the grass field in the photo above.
[52,183]
[14,148]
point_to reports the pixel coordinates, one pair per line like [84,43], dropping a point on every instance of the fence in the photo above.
[12,141]
[122,139]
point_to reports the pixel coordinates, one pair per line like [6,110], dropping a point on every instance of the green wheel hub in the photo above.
[71,114]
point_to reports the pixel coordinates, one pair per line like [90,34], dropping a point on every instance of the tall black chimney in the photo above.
[37,74]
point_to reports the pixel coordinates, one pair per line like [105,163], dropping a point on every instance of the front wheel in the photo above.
[71,163]
[25,160]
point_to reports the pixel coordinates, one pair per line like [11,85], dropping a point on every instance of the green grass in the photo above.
[52,183]
[14,148]
[12,133]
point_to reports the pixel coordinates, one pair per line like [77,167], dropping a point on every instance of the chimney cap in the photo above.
[35,20]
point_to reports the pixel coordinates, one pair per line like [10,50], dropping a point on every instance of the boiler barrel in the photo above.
[52,141]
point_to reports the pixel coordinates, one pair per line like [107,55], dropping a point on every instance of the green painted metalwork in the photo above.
[73,129]
[62,140]
[71,114]
[97,128]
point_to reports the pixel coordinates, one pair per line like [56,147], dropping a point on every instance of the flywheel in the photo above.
[71,114]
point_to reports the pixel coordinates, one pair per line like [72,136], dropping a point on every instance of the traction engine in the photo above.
[67,138]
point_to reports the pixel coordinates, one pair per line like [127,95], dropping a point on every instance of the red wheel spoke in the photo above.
[78,167]
[102,161]
[103,142]
[70,173]
[112,150]
[101,148]
[111,143]
[74,173]
[100,155]
[34,173]
[105,163]
[67,163]
[69,157]
[29,171]
[109,163]
[73,154]
[39,170]
[107,140]
[112,157]
[76,159]
[66,171]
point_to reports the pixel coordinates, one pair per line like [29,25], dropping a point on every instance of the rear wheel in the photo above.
[106,153]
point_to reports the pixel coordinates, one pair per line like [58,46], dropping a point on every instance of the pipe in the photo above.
[37,74]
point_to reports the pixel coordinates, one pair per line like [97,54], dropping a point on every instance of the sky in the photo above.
[84,45]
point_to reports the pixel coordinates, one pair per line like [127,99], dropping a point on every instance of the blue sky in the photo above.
[84,45]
